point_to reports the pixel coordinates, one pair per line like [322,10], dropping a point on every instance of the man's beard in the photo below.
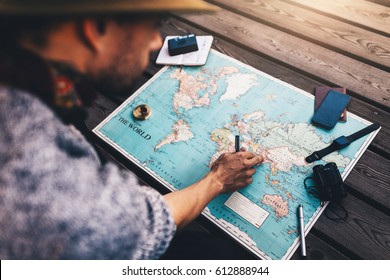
[114,81]
[124,68]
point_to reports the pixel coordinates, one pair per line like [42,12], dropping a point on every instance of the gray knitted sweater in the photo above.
[58,202]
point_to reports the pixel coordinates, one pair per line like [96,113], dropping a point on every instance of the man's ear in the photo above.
[91,33]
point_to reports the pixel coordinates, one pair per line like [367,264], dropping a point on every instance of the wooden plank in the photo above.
[324,65]
[317,249]
[381,2]
[100,109]
[365,233]
[359,12]
[374,114]
[370,177]
[325,31]
[261,63]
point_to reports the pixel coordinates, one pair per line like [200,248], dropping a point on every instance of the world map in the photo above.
[196,113]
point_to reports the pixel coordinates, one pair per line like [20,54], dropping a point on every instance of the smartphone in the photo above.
[320,93]
[330,109]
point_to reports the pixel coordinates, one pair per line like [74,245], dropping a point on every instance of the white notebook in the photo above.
[196,58]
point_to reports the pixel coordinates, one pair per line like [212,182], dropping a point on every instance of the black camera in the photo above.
[183,44]
[329,182]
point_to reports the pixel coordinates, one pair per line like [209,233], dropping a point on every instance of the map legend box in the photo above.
[247,209]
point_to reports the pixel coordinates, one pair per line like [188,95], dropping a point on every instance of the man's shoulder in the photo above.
[18,106]
[17,95]
[24,118]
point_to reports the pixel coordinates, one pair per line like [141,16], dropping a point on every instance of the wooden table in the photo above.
[306,43]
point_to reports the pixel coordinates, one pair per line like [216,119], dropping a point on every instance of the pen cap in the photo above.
[300,211]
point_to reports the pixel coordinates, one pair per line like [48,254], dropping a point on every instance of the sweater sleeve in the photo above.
[58,201]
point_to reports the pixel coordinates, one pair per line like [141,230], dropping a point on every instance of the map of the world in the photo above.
[196,113]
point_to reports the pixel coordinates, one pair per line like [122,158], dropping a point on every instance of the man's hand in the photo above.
[230,172]
[234,171]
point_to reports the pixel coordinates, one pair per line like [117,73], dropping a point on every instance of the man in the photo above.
[57,199]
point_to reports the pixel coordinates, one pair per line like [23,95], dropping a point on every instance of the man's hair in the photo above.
[13,28]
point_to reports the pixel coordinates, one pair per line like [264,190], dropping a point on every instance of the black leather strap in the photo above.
[341,143]
[317,155]
[355,136]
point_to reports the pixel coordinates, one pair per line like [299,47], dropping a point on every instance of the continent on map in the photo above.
[282,159]
[299,138]
[225,141]
[282,144]
[195,90]
[187,96]
[238,84]
[277,203]
[181,132]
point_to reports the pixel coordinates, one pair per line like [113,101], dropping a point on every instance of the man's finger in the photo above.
[253,161]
